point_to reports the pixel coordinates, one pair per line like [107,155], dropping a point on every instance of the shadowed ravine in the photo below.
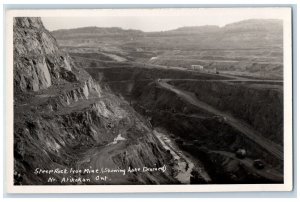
[271,147]
[167,103]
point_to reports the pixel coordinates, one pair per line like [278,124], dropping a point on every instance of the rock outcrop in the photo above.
[64,119]
[38,62]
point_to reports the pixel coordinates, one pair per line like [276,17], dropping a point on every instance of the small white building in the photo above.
[197,67]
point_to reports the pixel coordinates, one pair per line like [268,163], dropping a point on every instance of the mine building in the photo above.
[197,67]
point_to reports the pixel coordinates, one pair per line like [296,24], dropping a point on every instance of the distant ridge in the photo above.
[98,30]
[246,34]
[250,23]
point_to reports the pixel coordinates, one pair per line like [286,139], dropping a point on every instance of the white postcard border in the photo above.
[285,13]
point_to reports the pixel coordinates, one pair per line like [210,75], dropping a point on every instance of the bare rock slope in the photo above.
[64,119]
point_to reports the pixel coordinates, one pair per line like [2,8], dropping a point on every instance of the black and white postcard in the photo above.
[149,100]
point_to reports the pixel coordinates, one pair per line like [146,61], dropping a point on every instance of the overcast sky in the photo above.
[159,19]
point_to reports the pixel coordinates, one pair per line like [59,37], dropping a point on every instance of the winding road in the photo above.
[101,158]
[273,148]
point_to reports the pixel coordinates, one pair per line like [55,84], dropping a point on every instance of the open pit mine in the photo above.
[84,116]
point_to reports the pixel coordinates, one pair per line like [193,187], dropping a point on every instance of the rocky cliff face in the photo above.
[38,62]
[64,119]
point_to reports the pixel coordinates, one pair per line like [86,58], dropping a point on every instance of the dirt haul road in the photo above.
[273,148]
